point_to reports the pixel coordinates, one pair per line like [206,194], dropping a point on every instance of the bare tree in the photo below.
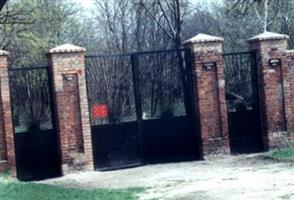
[172,12]
[267,11]
[172,15]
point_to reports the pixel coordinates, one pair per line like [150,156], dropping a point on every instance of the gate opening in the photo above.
[242,97]
[141,108]
[35,135]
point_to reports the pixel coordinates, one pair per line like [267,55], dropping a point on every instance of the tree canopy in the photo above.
[28,28]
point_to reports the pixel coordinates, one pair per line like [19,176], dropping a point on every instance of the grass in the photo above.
[285,154]
[5,174]
[30,191]
[12,190]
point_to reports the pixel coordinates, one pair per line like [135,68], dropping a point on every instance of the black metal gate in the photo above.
[243,102]
[35,135]
[142,109]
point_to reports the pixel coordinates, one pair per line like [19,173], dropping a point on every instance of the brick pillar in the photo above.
[7,153]
[71,102]
[271,74]
[208,73]
[288,71]
[3,155]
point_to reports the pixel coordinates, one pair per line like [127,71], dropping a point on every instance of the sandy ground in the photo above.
[218,178]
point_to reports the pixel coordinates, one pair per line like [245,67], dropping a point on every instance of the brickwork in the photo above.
[210,97]
[288,71]
[2,135]
[6,127]
[68,70]
[71,97]
[272,88]
[3,165]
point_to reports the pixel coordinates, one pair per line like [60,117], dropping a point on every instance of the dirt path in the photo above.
[222,178]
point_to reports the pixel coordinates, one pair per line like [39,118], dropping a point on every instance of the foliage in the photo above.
[16,191]
[284,154]
[29,28]
[5,174]
[32,27]
[238,20]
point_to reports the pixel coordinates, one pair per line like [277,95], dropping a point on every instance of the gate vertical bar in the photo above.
[254,66]
[192,100]
[54,117]
[138,103]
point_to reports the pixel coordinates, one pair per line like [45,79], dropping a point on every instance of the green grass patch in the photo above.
[31,191]
[5,174]
[284,154]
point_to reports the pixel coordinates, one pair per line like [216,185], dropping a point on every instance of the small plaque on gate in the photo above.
[99,111]
[209,65]
[273,63]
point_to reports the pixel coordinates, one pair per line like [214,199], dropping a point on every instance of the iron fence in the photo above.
[240,73]
[146,85]
[30,98]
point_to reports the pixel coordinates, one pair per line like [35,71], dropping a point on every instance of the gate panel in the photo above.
[169,140]
[116,146]
[141,108]
[36,144]
[115,136]
[167,127]
[243,102]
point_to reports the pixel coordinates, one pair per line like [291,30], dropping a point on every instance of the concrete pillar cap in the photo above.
[4,53]
[201,38]
[67,48]
[268,36]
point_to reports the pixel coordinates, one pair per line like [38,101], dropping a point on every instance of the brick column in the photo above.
[288,71]
[208,73]
[71,102]
[271,74]
[7,153]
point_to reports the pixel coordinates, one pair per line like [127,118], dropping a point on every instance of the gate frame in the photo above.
[255,79]
[46,68]
[188,95]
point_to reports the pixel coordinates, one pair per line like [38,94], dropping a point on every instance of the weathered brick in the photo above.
[210,94]
[275,104]
[68,69]
[7,155]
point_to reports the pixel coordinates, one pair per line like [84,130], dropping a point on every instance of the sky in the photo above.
[86,3]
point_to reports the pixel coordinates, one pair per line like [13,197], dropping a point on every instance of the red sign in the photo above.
[100,111]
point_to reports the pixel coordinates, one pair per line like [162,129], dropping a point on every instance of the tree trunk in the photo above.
[265,15]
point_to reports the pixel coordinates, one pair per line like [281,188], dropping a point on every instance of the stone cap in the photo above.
[288,51]
[4,53]
[67,48]
[200,38]
[3,161]
[268,36]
